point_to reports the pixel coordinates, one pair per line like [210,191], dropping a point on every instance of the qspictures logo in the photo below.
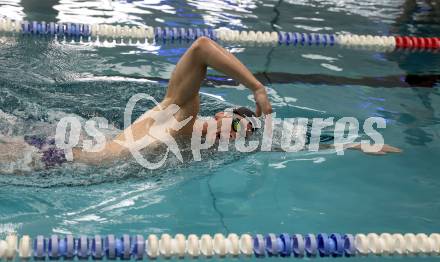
[296,133]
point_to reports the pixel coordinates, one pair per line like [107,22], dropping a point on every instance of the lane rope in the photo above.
[139,247]
[104,32]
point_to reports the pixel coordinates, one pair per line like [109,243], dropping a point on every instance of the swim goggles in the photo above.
[236,125]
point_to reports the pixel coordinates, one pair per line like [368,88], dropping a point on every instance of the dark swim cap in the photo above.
[244,112]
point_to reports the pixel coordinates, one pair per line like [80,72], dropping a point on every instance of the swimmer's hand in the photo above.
[262,102]
[383,151]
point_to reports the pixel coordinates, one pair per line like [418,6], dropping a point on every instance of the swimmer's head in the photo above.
[236,115]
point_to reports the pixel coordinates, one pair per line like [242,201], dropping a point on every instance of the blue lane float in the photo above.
[60,29]
[137,247]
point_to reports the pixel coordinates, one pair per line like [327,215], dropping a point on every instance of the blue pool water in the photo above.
[42,81]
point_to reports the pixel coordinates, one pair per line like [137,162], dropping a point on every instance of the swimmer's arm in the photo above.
[353,146]
[357,146]
[190,71]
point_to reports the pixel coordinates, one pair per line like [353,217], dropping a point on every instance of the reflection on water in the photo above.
[237,14]
[98,11]
[383,11]
[11,9]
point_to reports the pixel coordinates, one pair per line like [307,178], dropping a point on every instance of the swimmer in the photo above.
[183,91]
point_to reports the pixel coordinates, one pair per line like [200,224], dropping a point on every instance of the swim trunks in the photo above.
[51,155]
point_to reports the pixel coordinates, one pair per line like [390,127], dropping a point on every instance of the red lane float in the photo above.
[412,42]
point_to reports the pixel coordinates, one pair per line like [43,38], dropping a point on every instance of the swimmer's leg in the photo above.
[9,149]
[190,71]
[17,156]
